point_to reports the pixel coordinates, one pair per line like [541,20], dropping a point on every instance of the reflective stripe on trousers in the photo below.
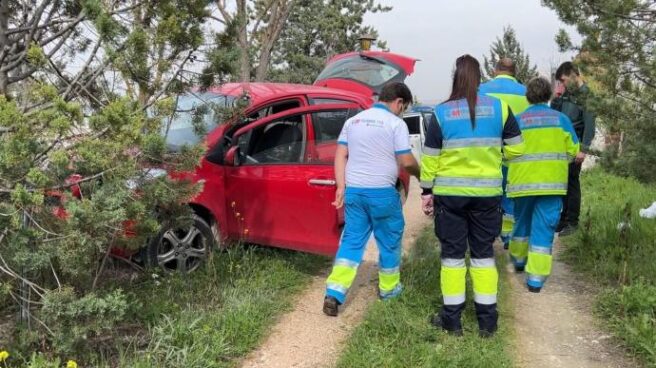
[452,281]
[367,210]
[485,279]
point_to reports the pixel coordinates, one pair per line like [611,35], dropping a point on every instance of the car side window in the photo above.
[414,124]
[328,124]
[274,109]
[326,101]
[281,141]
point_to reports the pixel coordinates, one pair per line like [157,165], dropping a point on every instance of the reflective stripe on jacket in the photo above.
[461,160]
[551,144]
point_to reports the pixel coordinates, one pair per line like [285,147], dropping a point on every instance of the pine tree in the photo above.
[617,52]
[84,90]
[508,46]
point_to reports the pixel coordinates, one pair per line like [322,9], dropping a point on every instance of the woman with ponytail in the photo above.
[467,138]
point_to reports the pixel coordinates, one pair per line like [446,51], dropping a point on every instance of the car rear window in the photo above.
[362,69]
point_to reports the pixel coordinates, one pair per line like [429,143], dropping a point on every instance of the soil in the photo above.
[555,328]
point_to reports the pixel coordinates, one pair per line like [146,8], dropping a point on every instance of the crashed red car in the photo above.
[268,176]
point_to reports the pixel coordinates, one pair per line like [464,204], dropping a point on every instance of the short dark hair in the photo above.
[506,65]
[538,90]
[393,90]
[566,68]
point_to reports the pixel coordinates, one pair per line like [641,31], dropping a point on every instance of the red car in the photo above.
[268,177]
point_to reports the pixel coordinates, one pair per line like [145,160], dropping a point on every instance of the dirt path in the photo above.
[305,337]
[556,329]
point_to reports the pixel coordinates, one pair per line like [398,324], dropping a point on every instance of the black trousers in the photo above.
[474,223]
[572,201]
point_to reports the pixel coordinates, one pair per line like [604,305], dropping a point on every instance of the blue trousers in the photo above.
[366,210]
[536,218]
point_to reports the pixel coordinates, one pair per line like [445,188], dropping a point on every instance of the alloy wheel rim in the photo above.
[181,250]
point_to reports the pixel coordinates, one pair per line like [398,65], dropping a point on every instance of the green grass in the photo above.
[398,334]
[210,318]
[222,313]
[617,248]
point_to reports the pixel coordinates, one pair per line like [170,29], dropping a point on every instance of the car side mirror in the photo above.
[232,156]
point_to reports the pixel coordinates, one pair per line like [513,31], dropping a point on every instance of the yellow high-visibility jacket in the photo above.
[551,144]
[464,159]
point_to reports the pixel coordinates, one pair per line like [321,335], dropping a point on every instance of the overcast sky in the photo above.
[438,31]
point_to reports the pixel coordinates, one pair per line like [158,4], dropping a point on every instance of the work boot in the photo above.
[568,230]
[485,334]
[534,289]
[519,269]
[437,322]
[330,306]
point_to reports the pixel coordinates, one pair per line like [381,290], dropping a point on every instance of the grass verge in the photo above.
[398,334]
[618,249]
[210,318]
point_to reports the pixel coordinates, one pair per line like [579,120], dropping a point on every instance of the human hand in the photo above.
[427,204]
[339,198]
[580,157]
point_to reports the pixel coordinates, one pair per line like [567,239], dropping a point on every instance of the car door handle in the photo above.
[323,182]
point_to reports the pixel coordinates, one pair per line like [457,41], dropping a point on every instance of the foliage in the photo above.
[318,30]
[398,333]
[290,44]
[81,119]
[614,244]
[616,247]
[508,46]
[618,52]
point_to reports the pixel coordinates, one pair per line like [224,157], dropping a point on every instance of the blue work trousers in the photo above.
[531,246]
[368,210]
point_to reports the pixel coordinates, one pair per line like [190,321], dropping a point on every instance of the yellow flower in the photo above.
[71,364]
[3,355]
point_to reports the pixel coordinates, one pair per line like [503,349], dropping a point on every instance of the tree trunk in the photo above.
[4,42]
[242,39]
[279,14]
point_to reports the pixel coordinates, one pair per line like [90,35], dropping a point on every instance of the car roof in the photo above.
[260,92]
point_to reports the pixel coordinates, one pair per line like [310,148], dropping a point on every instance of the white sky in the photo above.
[438,31]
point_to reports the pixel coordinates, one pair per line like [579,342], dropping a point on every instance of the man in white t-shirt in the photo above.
[371,147]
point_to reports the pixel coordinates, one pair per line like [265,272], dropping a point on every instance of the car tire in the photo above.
[181,250]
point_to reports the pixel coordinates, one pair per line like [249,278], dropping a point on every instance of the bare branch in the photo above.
[221,5]
[171,80]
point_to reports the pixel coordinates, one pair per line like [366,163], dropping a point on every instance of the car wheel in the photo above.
[181,250]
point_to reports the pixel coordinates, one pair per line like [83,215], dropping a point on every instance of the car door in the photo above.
[281,187]
[415,124]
